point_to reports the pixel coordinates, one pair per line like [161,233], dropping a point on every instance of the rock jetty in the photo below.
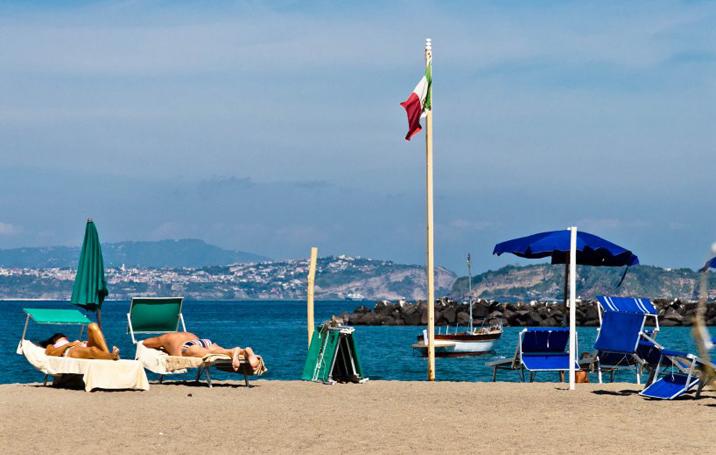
[543,314]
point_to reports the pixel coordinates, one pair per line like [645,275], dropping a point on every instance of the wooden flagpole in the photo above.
[309,293]
[430,266]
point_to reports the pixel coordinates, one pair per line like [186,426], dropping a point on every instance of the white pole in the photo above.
[469,287]
[430,266]
[572,305]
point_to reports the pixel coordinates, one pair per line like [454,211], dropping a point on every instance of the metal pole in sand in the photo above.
[572,305]
[309,294]
[469,288]
[430,266]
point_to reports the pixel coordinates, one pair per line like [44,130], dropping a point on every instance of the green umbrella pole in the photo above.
[99,313]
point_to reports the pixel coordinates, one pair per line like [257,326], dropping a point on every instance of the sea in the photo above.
[277,331]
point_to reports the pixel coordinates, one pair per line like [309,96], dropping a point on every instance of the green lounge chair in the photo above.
[152,315]
[157,315]
[94,373]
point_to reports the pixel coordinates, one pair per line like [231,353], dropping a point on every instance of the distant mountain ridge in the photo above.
[156,254]
[546,282]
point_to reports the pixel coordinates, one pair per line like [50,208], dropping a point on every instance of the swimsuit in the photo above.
[201,342]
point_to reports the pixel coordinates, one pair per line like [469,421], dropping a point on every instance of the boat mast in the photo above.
[469,288]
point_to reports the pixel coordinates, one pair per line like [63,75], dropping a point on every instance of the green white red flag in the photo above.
[418,103]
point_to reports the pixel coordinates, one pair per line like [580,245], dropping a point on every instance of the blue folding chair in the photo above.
[543,349]
[539,349]
[622,341]
[622,333]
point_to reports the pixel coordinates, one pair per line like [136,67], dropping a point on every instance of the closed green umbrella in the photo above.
[90,287]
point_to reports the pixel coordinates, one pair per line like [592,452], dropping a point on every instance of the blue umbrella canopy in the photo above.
[710,264]
[591,249]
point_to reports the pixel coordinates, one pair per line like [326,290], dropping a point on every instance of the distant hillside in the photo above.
[546,282]
[337,277]
[160,254]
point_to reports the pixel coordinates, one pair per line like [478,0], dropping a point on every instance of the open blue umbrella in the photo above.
[591,249]
[588,249]
[710,264]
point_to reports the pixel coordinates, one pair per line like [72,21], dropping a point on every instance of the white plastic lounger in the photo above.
[155,315]
[95,373]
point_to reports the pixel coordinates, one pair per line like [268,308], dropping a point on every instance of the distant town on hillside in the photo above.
[197,270]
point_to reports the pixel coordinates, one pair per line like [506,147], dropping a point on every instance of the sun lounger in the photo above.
[95,373]
[622,333]
[539,349]
[156,315]
[622,341]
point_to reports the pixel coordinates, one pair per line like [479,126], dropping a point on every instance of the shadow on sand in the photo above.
[203,385]
[616,393]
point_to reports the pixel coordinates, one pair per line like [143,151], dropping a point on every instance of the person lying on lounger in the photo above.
[189,345]
[94,348]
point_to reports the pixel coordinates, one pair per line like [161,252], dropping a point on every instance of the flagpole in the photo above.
[430,266]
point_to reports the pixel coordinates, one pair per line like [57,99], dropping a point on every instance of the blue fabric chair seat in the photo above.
[547,362]
[670,386]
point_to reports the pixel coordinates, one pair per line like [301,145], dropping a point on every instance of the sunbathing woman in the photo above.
[94,348]
[189,345]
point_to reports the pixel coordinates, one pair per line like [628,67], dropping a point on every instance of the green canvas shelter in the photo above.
[52,316]
[333,357]
[90,287]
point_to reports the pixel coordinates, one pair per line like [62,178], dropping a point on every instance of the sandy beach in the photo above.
[376,417]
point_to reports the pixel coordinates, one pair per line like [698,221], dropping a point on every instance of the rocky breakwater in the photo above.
[542,314]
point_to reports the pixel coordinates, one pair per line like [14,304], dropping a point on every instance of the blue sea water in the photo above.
[277,331]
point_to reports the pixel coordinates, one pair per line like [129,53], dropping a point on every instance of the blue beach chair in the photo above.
[622,333]
[539,349]
[622,341]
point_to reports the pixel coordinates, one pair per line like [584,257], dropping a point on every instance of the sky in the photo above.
[271,127]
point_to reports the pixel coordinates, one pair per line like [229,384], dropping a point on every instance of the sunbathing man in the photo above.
[189,345]
[94,348]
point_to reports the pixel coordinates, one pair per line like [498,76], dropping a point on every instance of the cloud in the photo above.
[8,229]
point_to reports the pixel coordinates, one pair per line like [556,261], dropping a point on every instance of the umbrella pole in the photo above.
[566,287]
[99,314]
[572,306]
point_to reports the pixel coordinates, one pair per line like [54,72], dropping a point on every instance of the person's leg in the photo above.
[95,338]
[154,342]
[171,342]
[195,351]
[235,354]
[92,352]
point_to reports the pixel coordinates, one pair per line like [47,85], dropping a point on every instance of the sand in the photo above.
[376,417]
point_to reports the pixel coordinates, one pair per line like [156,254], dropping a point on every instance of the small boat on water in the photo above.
[476,341]
[473,341]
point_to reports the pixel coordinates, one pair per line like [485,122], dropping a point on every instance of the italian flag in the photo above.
[418,103]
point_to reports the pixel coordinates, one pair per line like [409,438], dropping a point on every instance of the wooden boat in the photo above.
[476,342]
[473,341]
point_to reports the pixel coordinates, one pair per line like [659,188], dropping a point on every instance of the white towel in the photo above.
[96,374]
